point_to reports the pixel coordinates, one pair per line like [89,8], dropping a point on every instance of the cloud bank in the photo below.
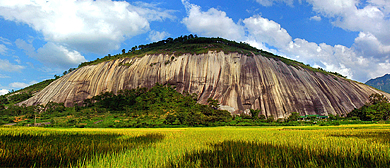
[72,26]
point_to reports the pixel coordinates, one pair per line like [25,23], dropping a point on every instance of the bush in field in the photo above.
[255,113]
[293,117]
[270,119]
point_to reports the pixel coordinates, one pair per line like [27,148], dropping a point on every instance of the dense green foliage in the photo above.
[160,100]
[160,106]
[378,109]
[12,98]
[19,97]
[157,107]
[3,100]
[293,117]
[381,83]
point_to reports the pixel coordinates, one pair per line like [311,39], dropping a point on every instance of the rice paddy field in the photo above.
[306,146]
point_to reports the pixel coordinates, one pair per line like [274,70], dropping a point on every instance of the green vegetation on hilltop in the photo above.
[193,44]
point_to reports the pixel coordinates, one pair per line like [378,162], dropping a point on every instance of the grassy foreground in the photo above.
[306,146]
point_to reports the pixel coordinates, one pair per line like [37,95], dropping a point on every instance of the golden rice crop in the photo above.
[309,146]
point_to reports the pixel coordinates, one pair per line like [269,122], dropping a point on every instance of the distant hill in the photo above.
[381,83]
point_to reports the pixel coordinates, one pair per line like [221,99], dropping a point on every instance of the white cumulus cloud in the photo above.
[211,23]
[333,8]
[316,18]
[368,44]
[267,31]
[52,54]
[5,65]
[3,91]
[18,85]
[373,17]
[271,2]
[88,25]
[157,35]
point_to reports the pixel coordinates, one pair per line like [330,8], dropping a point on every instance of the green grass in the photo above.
[309,146]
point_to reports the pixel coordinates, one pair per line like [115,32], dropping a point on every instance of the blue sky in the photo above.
[42,38]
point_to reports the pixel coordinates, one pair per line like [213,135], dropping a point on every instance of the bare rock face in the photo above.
[238,81]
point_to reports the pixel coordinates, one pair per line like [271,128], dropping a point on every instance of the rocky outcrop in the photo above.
[238,81]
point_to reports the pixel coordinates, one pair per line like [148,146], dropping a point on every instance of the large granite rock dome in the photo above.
[239,82]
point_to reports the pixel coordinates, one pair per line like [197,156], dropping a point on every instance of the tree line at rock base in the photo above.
[163,106]
[377,109]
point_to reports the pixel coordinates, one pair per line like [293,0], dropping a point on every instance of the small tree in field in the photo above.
[262,117]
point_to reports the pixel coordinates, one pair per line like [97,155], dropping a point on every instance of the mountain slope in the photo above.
[382,83]
[239,80]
